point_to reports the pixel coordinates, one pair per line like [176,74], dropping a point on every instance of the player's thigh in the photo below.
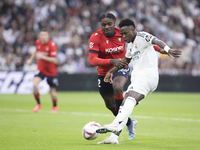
[119,80]
[118,84]
[38,78]
[104,87]
[52,81]
[36,81]
[106,91]
[142,84]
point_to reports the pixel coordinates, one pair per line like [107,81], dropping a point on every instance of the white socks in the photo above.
[124,112]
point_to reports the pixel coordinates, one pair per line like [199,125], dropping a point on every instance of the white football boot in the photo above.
[108,128]
[109,140]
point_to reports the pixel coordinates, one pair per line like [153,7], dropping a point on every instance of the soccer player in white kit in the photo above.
[144,77]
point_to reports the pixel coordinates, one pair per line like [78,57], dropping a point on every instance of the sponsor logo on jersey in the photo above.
[44,53]
[114,50]
[53,53]
[120,39]
[91,44]
[135,45]
[136,53]
[136,56]
[47,49]
[107,41]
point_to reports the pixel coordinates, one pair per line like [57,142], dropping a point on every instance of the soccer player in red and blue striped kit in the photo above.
[46,54]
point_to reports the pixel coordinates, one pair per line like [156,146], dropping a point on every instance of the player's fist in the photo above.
[108,78]
[29,61]
[115,61]
[175,52]
[39,55]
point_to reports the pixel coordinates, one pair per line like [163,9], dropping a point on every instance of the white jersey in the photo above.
[144,57]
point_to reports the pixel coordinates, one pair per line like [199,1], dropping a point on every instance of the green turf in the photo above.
[167,121]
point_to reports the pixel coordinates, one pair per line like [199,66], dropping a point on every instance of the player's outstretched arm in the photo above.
[172,52]
[167,49]
[30,60]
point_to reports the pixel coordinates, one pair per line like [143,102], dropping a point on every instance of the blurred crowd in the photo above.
[71,23]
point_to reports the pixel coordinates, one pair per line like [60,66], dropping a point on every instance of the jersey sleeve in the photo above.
[94,43]
[36,44]
[96,61]
[94,51]
[146,36]
[53,50]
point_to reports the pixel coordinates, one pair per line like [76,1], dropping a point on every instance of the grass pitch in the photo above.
[167,121]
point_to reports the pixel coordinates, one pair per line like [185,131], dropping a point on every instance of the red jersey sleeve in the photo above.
[94,52]
[94,42]
[96,61]
[157,48]
[53,51]
[37,44]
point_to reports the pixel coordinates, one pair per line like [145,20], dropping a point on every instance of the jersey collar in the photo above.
[111,35]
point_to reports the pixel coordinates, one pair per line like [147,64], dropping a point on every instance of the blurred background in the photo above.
[71,23]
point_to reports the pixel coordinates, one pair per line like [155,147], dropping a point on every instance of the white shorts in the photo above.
[143,84]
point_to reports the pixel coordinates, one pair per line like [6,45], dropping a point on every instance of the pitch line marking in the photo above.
[99,114]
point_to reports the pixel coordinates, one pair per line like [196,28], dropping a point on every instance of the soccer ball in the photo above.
[89,130]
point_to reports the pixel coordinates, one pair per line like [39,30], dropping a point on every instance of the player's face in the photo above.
[108,26]
[44,37]
[128,33]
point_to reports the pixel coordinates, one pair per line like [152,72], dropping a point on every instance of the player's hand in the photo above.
[119,63]
[175,52]
[29,61]
[108,78]
[39,55]
[115,61]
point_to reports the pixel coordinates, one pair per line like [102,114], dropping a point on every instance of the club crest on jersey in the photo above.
[120,39]
[107,41]
[91,44]
[47,49]
[136,45]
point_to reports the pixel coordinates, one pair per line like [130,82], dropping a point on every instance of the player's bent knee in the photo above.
[118,90]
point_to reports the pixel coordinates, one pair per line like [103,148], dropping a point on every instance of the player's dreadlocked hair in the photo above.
[126,22]
[107,15]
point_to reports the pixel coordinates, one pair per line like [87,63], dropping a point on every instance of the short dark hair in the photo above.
[126,22]
[107,15]
[43,29]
